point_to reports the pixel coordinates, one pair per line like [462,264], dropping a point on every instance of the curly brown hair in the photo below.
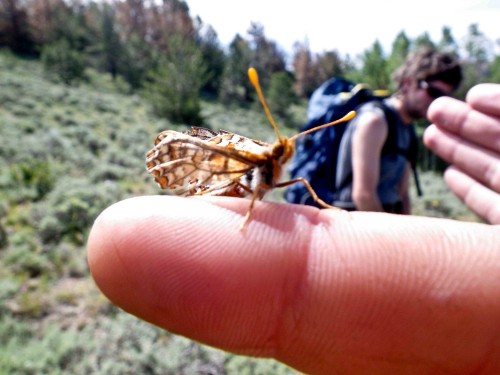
[428,64]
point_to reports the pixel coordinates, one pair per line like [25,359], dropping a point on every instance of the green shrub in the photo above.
[175,85]
[107,83]
[107,171]
[71,208]
[63,62]
[86,139]
[51,229]
[3,236]
[3,213]
[24,255]
[8,59]
[280,94]
[34,175]
[8,289]
[68,260]
[27,351]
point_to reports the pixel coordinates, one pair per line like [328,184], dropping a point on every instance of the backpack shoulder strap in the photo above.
[391,145]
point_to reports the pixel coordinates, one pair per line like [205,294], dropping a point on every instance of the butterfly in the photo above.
[203,162]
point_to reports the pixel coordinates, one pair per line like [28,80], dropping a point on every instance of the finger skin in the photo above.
[466,122]
[467,135]
[480,199]
[326,292]
[483,165]
[485,98]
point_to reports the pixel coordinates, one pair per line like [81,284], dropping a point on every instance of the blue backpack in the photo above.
[315,157]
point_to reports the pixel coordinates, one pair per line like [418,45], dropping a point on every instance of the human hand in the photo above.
[324,291]
[467,135]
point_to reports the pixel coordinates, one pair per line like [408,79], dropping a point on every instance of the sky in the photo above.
[348,26]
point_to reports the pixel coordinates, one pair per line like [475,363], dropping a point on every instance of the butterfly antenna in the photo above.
[347,117]
[254,79]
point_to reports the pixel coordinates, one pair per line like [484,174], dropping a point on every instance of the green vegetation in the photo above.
[63,62]
[177,81]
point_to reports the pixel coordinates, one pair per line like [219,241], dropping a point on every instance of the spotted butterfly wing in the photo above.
[201,161]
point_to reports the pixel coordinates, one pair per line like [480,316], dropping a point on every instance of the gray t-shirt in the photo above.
[392,164]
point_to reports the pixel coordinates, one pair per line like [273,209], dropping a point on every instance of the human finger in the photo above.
[459,118]
[323,291]
[485,97]
[476,196]
[481,164]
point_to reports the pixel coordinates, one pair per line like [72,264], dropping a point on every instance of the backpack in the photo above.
[315,158]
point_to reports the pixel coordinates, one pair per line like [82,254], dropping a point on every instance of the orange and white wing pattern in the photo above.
[201,161]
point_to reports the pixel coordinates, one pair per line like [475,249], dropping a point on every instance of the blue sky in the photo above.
[350,26]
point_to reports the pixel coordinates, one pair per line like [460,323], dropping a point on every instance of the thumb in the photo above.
[323,291]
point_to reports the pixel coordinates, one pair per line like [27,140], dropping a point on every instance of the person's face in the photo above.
[420,95]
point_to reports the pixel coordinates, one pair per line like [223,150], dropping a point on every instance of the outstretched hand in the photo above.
[324,291]
[468,136]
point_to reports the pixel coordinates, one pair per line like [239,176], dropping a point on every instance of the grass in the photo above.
[70,152]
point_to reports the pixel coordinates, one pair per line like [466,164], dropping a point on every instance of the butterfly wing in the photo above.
[204,162]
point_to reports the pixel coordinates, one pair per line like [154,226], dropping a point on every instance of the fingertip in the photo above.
[439,109]
[477,93]
[435,108]
[132,242]
[185,265]
[431,135]
[457,181]
[451,172]
[109,263]
[485,97]
[98,242]
[119,226]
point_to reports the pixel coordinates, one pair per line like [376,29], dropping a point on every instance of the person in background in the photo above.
[369,178]
[325,291]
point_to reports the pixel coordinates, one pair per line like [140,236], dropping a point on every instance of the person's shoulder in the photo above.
[371,114]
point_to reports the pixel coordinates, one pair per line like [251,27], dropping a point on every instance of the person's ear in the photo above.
[406,84]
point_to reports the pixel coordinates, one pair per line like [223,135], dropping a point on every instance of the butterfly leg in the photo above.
[311,191]
[257,194]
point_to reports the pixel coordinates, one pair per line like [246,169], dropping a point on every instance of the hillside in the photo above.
[67,153]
